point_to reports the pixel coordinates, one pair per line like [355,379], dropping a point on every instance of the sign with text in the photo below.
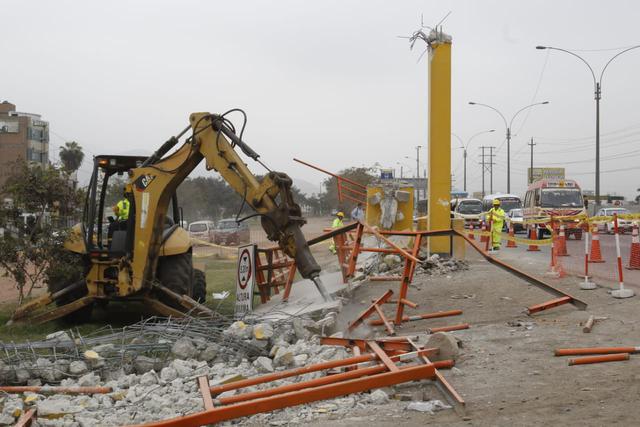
[536,174]
[245,280]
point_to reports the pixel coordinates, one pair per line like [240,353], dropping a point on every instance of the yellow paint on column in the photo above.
[439,185]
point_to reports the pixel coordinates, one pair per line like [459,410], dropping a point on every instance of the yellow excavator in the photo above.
[148,256]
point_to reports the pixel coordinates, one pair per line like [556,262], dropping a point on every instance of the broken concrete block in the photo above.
[263,364]
[59,337]
[300,328]
[182,368]
[209,353]
[262,331]
[392,260]
[378,397]
[149,378]
[89,380]
[239,329]
[144,364]
[300,359]
[168,374]
[184,349]
[283,357]
[447,344]
[57,408]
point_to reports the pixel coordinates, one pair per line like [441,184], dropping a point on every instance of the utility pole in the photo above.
[531,144]
[487,166]
[491,163]
[418,147]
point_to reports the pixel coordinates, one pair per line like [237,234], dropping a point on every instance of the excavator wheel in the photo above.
[60,279]
[176,273]
[199,286]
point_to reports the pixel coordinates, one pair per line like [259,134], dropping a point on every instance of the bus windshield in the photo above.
[508,203]
[561,198]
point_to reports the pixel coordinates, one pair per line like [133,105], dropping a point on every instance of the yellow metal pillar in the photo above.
[439,184]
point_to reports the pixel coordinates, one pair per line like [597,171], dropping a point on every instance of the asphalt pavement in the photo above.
[605,273]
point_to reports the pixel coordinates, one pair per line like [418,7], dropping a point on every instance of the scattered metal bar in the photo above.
[423,316]
[459,327]
[45,389]
[370,310]
[595,350]
[203,385]
[549,304]
[323,392]
[26,419]
[615,357]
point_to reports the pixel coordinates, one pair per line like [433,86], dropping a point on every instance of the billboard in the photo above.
[536,174]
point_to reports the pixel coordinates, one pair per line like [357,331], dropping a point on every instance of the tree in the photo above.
[71,156]
[35,224]
[363,176]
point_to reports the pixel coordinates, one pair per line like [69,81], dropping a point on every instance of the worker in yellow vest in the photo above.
[121,209]
[337,223]
[496,215]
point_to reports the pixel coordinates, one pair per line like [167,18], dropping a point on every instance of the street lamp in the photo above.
[464,147]
[597,85]
[508,127]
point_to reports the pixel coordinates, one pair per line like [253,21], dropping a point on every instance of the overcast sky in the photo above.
[330,82]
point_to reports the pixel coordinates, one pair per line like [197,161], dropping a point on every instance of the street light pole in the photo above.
[465,147]
[508,132]
[597,85]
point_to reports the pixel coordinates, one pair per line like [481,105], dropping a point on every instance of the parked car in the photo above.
[229,232]
[202,230]
[624,225]
[516,218]
[469,209]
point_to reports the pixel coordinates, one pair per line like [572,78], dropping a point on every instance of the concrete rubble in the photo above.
[152,367]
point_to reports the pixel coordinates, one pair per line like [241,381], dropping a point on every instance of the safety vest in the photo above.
[496,215]
[123,209]
[337,223]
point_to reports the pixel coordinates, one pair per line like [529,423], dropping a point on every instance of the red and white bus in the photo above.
[550,197]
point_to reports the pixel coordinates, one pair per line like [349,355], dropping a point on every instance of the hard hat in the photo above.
[341,214]
[496,202]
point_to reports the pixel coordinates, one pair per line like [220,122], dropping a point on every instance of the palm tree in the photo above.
[71,156]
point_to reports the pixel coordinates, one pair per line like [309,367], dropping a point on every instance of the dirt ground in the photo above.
[509,375]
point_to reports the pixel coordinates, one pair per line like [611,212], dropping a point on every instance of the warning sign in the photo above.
[245,280]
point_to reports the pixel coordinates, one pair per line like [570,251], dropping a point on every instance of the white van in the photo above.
[202,230]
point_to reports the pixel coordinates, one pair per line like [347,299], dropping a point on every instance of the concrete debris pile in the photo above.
[138,348]
[393,264]
[149,388]
[435,265]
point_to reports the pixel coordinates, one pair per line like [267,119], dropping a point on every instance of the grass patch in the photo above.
[221,276]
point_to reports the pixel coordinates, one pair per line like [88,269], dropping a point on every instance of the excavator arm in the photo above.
[214,140]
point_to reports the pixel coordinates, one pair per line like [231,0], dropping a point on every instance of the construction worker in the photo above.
[121,209]
[496,215]
[337,223]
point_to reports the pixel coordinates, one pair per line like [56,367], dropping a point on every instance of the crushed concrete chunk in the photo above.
[262,331]
[78,367]
[447,344]
[263,364]
[184,349]
[88,380]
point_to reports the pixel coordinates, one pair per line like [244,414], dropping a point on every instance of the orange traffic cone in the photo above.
[634,259]
[471,233]
[555,267]
[595,255]
[533,235]
[483,238]
[511,243]
[562,243]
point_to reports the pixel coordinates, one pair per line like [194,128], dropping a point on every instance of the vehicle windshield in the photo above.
[227,225]
[470,207]
[198,227]
[509,203]
[516,213]
[561,198]
[620,211]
